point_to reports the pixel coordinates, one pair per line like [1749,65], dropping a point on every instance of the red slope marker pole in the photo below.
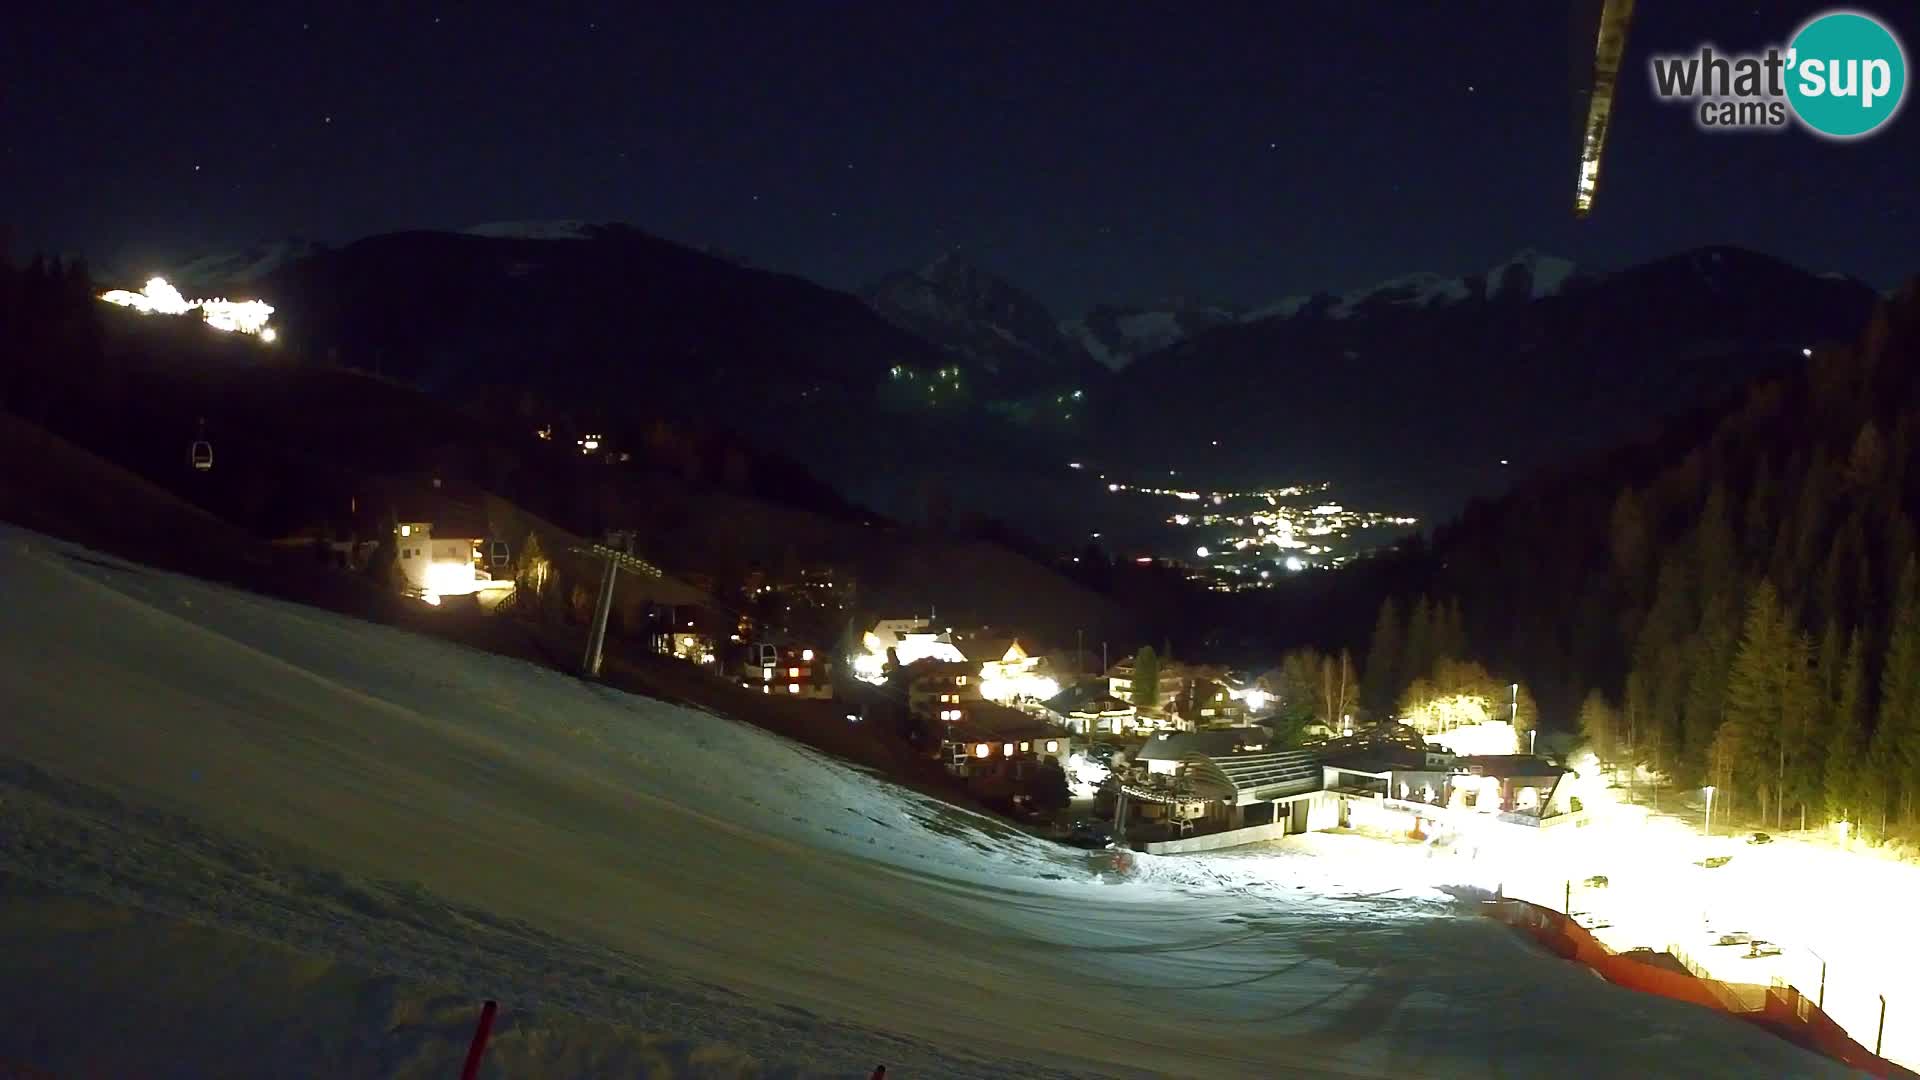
[479,1047]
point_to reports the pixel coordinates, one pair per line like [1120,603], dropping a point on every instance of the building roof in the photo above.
[985,649]
[1251,778]
[1174,745]
[990,723]
[1088,696]
[452,514]
[1507,765]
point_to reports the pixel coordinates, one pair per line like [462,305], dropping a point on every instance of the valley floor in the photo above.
[240,837]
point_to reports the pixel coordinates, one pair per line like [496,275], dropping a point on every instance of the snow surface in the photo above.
[646,876]
[534,230]
[241,267]
[1419,290]
[1815,900]
[1078,330]
[1285,308]
[1549,274]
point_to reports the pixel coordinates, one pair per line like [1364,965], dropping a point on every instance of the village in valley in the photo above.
[1093,743]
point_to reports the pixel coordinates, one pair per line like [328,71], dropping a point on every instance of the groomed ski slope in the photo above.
[410,808]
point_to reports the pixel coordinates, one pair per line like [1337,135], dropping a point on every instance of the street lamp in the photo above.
[1709,790]
[1821,1003]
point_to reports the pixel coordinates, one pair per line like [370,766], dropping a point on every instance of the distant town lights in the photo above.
[1201,551]
[1294,564]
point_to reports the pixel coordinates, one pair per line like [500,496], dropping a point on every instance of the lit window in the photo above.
[1025,746]
[793,688]
[1053,746]
[806,655]
[406,530]
[793,673]
[1006,750]
[961,681]
[766,689]
[766,674]
[982,750]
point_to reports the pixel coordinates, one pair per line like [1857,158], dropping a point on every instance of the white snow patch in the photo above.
[1421,290]
[241,267]
[1285,308]
[1077,330]
[1549,274]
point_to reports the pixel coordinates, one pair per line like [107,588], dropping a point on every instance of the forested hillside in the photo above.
[1736,603]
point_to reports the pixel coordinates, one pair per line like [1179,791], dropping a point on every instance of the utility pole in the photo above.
[617,558]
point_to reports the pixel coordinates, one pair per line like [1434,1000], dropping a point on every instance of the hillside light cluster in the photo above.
[159,297]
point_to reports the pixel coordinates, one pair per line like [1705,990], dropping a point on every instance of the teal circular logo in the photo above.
[1847,74]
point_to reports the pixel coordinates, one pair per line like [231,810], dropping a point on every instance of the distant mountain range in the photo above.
[1426,389]
[984,319]
[1423,389]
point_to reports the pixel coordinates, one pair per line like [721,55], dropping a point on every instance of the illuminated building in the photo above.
[794,671]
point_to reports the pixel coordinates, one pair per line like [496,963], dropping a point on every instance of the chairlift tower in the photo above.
[618,555]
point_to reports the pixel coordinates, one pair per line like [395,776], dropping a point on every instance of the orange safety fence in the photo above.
[1782,1010]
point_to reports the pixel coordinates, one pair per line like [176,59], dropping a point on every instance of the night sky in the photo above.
[1089,152]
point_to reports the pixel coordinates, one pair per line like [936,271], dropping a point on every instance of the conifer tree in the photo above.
[1847,744]
[1381,685]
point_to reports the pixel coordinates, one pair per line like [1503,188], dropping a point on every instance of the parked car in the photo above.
[1597,881]
[1732,937]
[1759,838]
[1758,948]
[1591,921]
[1088,833]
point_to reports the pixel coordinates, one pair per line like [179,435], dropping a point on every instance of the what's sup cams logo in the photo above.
[1843,75]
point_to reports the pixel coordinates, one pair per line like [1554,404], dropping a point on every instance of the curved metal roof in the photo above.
[1251,778]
